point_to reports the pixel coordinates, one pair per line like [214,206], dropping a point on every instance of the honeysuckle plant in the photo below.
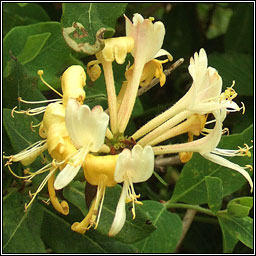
[94,140]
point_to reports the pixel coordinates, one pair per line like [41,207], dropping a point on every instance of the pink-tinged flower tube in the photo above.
[148,39]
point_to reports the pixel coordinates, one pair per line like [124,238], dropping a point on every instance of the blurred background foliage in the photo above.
[224,30]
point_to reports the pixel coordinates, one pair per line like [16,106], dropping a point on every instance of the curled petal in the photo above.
[120,215]
[226,163]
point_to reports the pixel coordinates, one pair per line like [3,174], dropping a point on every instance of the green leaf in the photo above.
[214,192]
[85,23]
[132,231]
[19,84]
[240,207]
[32,47]
[191,187]
[22,4]
[168,232]
[21,231]
[219,22]
[54,57]
[237,228]
[234,66]
[229,240]
[57,234]
[239,36]
[75,193]
[16,15]
[184,36]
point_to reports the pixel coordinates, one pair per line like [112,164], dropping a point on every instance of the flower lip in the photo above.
[86,126]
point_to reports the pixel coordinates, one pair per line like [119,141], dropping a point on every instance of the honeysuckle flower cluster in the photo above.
[94,139]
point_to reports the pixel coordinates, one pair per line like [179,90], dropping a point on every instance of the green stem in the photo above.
[197,208]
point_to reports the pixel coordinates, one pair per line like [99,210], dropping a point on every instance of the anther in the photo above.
[225,131]
[248,166]
[40,73]
[243,108]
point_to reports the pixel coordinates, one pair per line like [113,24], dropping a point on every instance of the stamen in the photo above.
[27,155]
[243,108]
[29,112]
[34,126]
[229,93]
[131,195]
[245,151]
[103,188]
[33,195]
[248,166]
[205,131]
[47,202]
[225,131]
[40,73]
[37,102]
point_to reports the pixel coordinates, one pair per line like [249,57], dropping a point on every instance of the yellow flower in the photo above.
[86,129]
[72,82]
[98,170]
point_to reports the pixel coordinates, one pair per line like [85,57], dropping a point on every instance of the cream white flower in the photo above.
[203,97]
[142,31]
[206,146]
[87,130]
[132,166]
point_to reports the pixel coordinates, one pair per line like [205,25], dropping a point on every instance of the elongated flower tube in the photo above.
[87,129]
[142,31]
[136,165]
[72,82]
[206,146]
[98,170]
[203,97]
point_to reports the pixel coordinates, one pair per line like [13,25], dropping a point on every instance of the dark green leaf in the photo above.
[234,66]
[21,231]
[54,57]
[18,84]
[57,234]
[84,24]
[16,15]
[219,22]
[214,192]
[22,4]
[183,33]
[75,193]
[238,228]
[239,37]
[191,187]
[168,232]
[240,207]
[32,47]
[229,240]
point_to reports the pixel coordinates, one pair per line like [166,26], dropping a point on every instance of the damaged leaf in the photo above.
[83,35]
